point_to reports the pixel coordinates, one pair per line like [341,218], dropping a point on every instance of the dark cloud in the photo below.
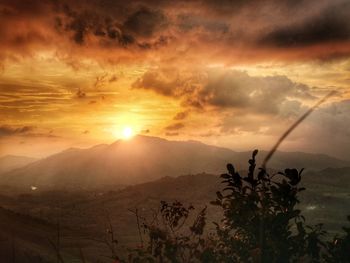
[154,81]
[9,130]
[175,126]
[145,22]
[27,131]
[146,131]
[232,7]
[140,27]
[187,22]
[24,7]
[80,94]
[331,25]
[260,94]
[113,78]
[181,115]
[171,133]
[227,89]
[201,28]
[84,23]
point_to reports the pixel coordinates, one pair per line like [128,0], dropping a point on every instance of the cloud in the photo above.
[145,22]
[9,130]
[159,83]
[181,115]
[260,94]
[113,78]
[146,131]
[189,22]
[80,94]
[171,133]
[175,126]
[327,130]
[85,23]
[331,25]
[164,31]
[23,131]
[226,89]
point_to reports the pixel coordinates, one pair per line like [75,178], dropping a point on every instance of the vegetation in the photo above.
[260,223]
[256,219]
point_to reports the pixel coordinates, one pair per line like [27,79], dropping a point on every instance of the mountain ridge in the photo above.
[10,162]
[143,159]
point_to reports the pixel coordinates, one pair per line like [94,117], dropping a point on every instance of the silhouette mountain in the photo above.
[143,159]
[11,162]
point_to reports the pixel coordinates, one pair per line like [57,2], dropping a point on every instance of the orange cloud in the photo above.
[164,31]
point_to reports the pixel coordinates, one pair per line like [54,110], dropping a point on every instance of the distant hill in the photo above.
[320,203]
[28,239]
[329,179]
[143,159]
[25,239]
[86,211]
[83,214]
[11,162]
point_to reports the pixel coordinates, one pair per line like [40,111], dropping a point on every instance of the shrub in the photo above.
[260,220]
[260,223]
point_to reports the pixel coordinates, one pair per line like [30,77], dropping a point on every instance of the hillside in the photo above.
[84,214]
[144,159]
[11,162]
[25,239]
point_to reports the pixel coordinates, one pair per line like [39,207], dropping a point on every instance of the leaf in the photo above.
[228,188]
[230,168]
[219,195]
[225,176]
[216,202]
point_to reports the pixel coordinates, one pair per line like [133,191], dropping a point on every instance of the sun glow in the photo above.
[128,133]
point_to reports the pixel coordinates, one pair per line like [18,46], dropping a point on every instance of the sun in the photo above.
[128,133]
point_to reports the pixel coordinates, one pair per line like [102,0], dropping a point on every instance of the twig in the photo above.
[269,156]
[136,212]
[82,255]
[58,254]
[13,246]
[291,128]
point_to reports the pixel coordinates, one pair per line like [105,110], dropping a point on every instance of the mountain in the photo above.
[143,159]
[11,162]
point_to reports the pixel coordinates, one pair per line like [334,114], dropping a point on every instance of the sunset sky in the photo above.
[229,73]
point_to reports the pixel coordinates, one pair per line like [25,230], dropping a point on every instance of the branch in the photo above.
[291,128]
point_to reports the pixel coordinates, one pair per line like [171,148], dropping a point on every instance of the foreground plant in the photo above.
[260,223]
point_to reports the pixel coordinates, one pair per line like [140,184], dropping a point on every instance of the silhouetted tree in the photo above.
[260,223]
[339,247]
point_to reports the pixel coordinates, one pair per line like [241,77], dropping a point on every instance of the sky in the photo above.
[231,73]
